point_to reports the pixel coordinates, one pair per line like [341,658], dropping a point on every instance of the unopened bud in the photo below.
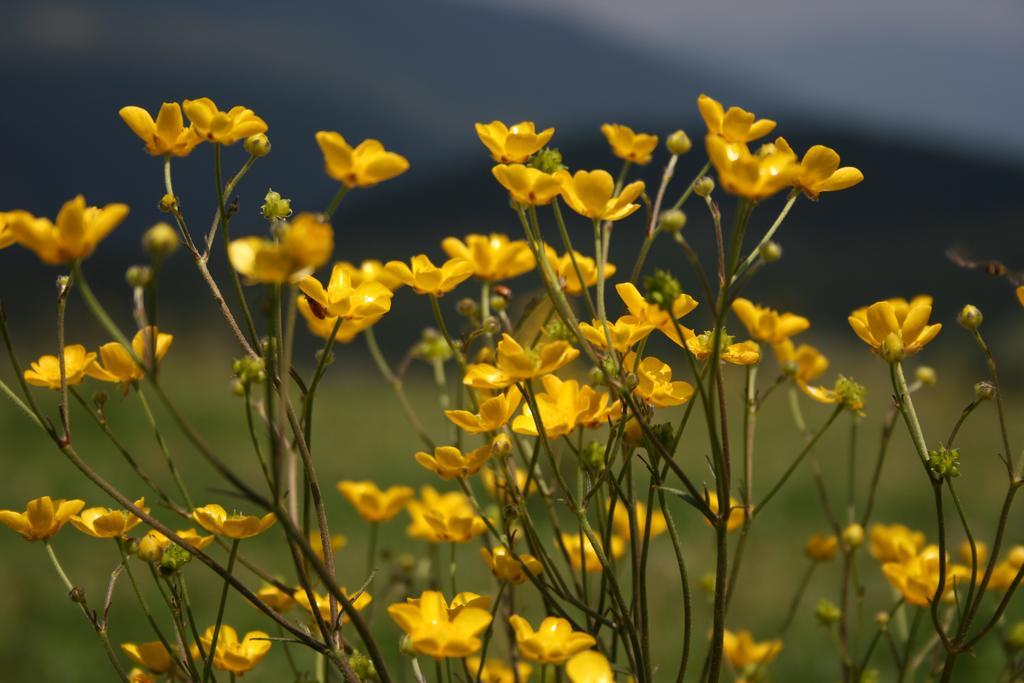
[771,251]
[672,220]
[678,142]
[827,613]
[970,317]
[138,276]
[405,646]
[149,548]
[926,375]
[983,391]
[593,456]
[275,207]
[703,186]
[492,325]
[892,348]
[853,535]
[501,445]
[257,145]
[1015,636]
[498,304]
[168,203]
[160,240]
[466,307]
[362,666]
[882,620]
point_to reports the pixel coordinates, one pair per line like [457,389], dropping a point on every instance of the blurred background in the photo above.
[918,94]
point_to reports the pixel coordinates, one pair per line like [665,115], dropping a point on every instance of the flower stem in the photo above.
[208,664]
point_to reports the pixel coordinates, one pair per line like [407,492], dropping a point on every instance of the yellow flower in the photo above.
[137,675]
[629,146]
[373,504]
[275,598]
[460,602]
[589,666]
[497,671]
[980,549]
[444,517]
[821,548]
[343,298]
[894,542]
[434,632]
[566,271]
[804,362]
[494,413]
[118,365]
[448,462]
[45,372]
[42,518]
[321,324]
[735,125]
[154,543]
[1005,572]
[494,257]
[553,642]
[754,176]
[323,603]
[512,144]
[337,542]
[620,520]
[234,655]
[737,513]
[215,519]
[592,194]
[766,324]
[506,567]
[165,136]
[304,244]
[582,555]
[74,236]
[819,171]
[656,385]
[565,405]
[222,127]
[526,184]
[6,235]
[102,522]
[152,655]
[371,271]
[741,353]
[917,577]
[426,278]
[624,332]
[1020,294]
[365,165]
[741,650]
[650,313]
[897,323]
[516,363]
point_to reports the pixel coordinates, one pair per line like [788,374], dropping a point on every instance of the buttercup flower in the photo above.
[740,353]
[102,522]
[321,324]
[896,324]
[118,365]
[624,332]
[165,136]
[736,511]
[153,655]
[373,504]
[526,184]
[1005,572]
[323,603]
[460,602]
[343,298]
[6,235]
[365,165]
[620,520]
[304,244]
[754,176]
[448,462]
[821,548]
[741,650]
[75,234]
[506,567]
[434,633]
[45,372]
[497,671]
[766,324]
[215,519]
[565,271]
[516,363]
[234,655]
[656,385]
[337,542]
[629,146]
[494,413]
[589,666]
[443,517]
[592,194]
[42,518]
[917,577]
[582,555]
[735,125]
[553,642]
[565,405]
[371,270]
[494,257]
[894,542]
[426,278]
[276,598]
[512,144]
[137,675]
[819,171]
[222,127]
[154,543]
[650,313]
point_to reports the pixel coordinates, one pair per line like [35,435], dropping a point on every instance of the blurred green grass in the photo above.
[360,433]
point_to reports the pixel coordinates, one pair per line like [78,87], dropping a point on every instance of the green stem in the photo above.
[208,664]
[336,201]
[235,279]
[163,448]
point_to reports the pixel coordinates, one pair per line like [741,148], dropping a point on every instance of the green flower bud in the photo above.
[257,145]
[597,376]
[970,317]
[160,241]
[250,370]
[983,391]
[138,276]
[556,330]
[671,221]
[548,160]
[406,648]
[362,666]
[498,304]
[467,308]
[882,620]
[704,186]
[945,462]
[593,456]
[827,613]
[926,375]
[168,203]
[174,558]
[238,387]
[492,325]
[1015,636]
[433,347]
[850,393]
[662,289]
[771,251]
[275,207]
[678,143]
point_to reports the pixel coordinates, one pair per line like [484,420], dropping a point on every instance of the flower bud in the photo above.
[548,160]
[492,325]
[174,558]
[405,646]
[1015,636]
[970,317]
[466,307]
[501,445]
[275,207]
[149,549]
[882,620]
[556,330]
[926,375]
[631,381]
[662,289]
[853,535]
[671,221]
[257,145]
[870,676]
[633,432]
[319,356]
[362,666]
[771,251]
[827,613]
[703,186]
[498,304]
[597,376]
[138,276]
[945,462]
[160,241]
[678,142]
[821,548]
[250,370]
[983,391]
[238,387]
[593,456]
[892,348]
[168,203]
